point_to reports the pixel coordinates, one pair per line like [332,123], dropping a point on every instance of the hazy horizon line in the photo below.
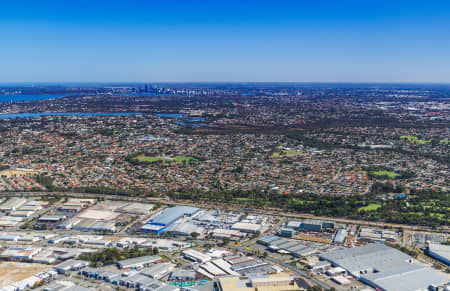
[218,82]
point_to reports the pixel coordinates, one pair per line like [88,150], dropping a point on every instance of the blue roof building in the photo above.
[168,216]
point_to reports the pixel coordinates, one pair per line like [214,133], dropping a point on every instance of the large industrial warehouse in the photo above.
[168,216]
[439,252]
[385,268]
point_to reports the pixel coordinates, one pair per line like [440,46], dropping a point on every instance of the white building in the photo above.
[196,256]
[247,227]
[19,253]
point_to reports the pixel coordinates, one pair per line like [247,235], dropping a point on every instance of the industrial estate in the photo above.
[216,187]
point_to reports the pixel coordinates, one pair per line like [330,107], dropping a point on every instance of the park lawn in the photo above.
[245,199]
[426,203]
[418,213]
[444,141]
[432,214]
[390,174]
[438,215]
[370,207]
[180,159]
[286,154]
[414,139]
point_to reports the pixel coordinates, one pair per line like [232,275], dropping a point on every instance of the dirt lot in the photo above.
[11,272]
[112,238]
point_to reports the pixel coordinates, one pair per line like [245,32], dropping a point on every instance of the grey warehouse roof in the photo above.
[171,214]
[441,250]
[139,260]
[385,268]
[70,263]
[182,273]
[157,269]
[410,277]
[366,259]
[78,288]
[294,224]
[340,236]
[269,238]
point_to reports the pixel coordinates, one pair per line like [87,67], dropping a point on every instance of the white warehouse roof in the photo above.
[244,226]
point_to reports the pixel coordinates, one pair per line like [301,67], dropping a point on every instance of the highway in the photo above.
[233,207]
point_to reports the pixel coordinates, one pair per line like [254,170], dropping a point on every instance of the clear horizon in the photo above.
[380,42]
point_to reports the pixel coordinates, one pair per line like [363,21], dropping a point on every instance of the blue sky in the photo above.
[292,41]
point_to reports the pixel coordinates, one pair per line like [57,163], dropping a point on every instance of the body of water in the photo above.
[187,122]
[170,115]
[39,114]
[25,97]
[32,97]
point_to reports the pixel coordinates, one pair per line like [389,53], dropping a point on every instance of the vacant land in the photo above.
[414,139]
[389,174]
[371,206]
[11,272]
[286,154]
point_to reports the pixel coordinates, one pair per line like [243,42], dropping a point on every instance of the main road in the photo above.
[234,207]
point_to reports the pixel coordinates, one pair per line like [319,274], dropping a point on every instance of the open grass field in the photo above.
[242,199]
[438,215]
[371,206]
[180,159]
[177,159]
[286,154]
[444,141]
[390,174]
[11,272]
[414,139]
[147,159]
